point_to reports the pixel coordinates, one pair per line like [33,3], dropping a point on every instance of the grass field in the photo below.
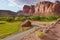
[8,28]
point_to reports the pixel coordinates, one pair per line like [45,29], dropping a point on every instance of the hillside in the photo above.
[7,13]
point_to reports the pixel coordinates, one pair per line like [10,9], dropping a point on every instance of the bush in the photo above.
[41,34]
[35,28]
[17,19]
[10,19]
[2,22]
[34,18]
[22,18]
[7,19]
[51,18]
[44,18]
[3,18]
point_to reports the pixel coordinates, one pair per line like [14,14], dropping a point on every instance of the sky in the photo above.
[16,5]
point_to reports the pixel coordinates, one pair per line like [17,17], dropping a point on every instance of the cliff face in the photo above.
[43,8]
[47,8]
[56,8]
[28,9]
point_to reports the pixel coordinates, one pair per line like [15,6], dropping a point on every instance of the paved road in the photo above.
[52,34]
[21,35]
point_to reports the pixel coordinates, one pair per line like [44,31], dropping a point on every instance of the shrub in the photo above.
[51,18]
[2,22]
[41,34]
[6,19]
[44,18]
[3,18]
[34,18]
[17,18]
[35,28]
[10,19]
[22,18]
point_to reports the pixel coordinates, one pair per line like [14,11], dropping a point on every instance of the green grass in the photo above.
[8,28]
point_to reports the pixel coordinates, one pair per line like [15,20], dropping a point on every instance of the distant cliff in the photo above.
[29,9]
[45,8]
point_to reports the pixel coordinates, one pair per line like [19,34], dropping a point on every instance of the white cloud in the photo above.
[21,3]
[12,3]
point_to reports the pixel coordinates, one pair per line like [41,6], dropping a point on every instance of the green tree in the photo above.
[34,18]
[22,18]
[17,18]
[10,19]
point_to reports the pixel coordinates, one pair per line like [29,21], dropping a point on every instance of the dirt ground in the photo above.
[47,24]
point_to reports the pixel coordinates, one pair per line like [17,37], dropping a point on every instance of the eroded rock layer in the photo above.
[45,8]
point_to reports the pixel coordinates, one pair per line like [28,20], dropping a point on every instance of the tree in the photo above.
[17,19]
[34,18]
[23,18]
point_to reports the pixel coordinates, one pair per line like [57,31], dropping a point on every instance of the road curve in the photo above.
[21,35]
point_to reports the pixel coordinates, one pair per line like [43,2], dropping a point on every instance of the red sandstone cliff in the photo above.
[56,8]
[45,8]
[29,9]
[26,9]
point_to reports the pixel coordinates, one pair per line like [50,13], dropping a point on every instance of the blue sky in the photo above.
[5,5]
[16,5]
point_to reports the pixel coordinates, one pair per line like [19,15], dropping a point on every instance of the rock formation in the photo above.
[27,23]
[47,8]
[44,8]
[56,8]
[28,9]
